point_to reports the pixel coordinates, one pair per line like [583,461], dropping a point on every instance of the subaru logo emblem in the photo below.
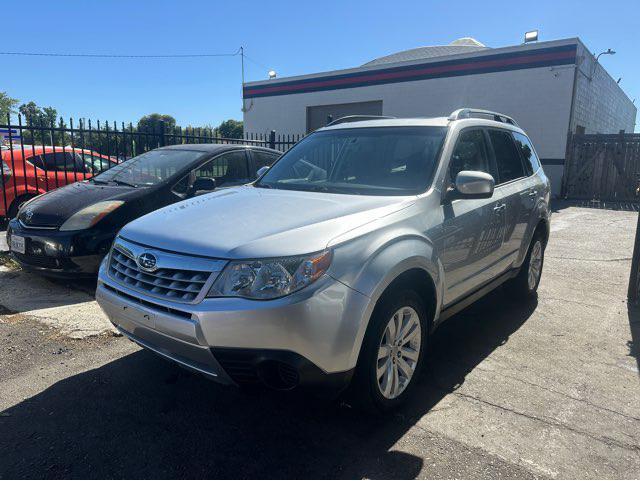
[147,262]
[28,214]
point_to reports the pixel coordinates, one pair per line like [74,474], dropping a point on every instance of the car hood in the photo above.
[249,222]
[55,207]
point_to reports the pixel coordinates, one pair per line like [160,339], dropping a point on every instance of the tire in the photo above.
[375,393]
[525,284]
[16,204]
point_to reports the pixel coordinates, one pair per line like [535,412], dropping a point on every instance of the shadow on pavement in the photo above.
[634,326]
[141,417]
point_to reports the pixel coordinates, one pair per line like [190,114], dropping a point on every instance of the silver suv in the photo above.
[334,268]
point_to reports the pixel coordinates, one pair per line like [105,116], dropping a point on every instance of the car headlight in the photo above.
[90,216]
[269,278]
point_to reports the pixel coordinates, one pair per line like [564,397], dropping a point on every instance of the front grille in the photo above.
[173,284]
[152,305]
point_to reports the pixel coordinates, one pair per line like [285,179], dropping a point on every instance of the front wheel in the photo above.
[393,352]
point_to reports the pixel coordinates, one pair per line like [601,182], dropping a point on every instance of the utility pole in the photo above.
[242,68]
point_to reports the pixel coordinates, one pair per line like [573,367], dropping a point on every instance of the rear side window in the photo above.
[531,161]
[470,153]
[507,156]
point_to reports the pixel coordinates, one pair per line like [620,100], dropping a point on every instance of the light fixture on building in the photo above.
[272,74]
[606,52]
[531,36]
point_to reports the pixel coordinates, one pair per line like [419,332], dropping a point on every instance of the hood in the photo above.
[249,222]
[55,207]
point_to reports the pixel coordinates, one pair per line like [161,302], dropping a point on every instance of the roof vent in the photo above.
[468,41]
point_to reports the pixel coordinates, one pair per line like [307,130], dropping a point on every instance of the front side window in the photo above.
[470,153]
[263,159]
[528,154]
[507,156]
[367,161]
[230,168]
[150,168]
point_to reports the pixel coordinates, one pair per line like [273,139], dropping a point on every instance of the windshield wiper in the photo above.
[122,182]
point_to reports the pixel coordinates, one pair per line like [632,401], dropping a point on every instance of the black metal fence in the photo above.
[38,156]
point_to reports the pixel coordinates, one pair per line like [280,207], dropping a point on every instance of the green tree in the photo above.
[151,123]
[231,129]
[36,116]
[7,106]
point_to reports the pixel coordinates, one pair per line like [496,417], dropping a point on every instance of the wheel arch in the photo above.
[411,262]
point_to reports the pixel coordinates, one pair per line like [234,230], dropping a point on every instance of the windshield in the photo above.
[369,161]
[149,168]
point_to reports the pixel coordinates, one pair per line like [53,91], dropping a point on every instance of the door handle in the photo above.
[499,208]
[533,193]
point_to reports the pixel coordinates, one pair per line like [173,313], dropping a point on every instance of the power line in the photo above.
[100,55]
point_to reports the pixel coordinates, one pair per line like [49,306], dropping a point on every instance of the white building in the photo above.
[550,88]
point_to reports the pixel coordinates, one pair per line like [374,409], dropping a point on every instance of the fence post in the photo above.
[272,139]
[632,292]
[162,138]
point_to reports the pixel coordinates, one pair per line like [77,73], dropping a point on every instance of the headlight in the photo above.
[269,278]
[90,216]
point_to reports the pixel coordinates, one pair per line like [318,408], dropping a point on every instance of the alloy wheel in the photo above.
[398,352]
[535,265]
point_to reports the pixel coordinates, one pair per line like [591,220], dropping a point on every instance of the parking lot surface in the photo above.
[549,388]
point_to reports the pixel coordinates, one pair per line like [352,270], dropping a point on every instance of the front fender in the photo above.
[383,263]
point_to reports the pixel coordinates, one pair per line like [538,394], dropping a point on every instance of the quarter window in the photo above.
[532,163]
[470,153]
[507,157]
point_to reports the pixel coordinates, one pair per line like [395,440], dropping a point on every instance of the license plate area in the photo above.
[144,318]
[18,244]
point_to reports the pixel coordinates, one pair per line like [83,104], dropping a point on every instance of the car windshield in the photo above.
[368,161]
[149,168]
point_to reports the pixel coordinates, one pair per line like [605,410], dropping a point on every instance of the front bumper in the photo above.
[307,339]
[60,254]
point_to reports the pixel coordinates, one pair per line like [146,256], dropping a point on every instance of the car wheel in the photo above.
[526,283]
[393,352]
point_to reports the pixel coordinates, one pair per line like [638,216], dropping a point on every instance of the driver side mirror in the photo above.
[262,170]
[471,184]
[203,185]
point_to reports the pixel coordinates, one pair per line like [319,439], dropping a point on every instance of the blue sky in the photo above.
[293,37]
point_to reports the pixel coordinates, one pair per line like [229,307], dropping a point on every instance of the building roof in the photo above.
[461,45]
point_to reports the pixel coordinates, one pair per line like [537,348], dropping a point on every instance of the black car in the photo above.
[67,232]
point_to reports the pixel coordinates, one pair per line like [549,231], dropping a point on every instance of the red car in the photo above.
[43,168]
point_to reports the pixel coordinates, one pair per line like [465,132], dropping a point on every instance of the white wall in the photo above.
[601,106]
[539,99]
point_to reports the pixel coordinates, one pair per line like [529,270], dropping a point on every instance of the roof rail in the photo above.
[357,118]
[468,113]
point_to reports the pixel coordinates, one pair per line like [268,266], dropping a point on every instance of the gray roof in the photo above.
[462,45]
